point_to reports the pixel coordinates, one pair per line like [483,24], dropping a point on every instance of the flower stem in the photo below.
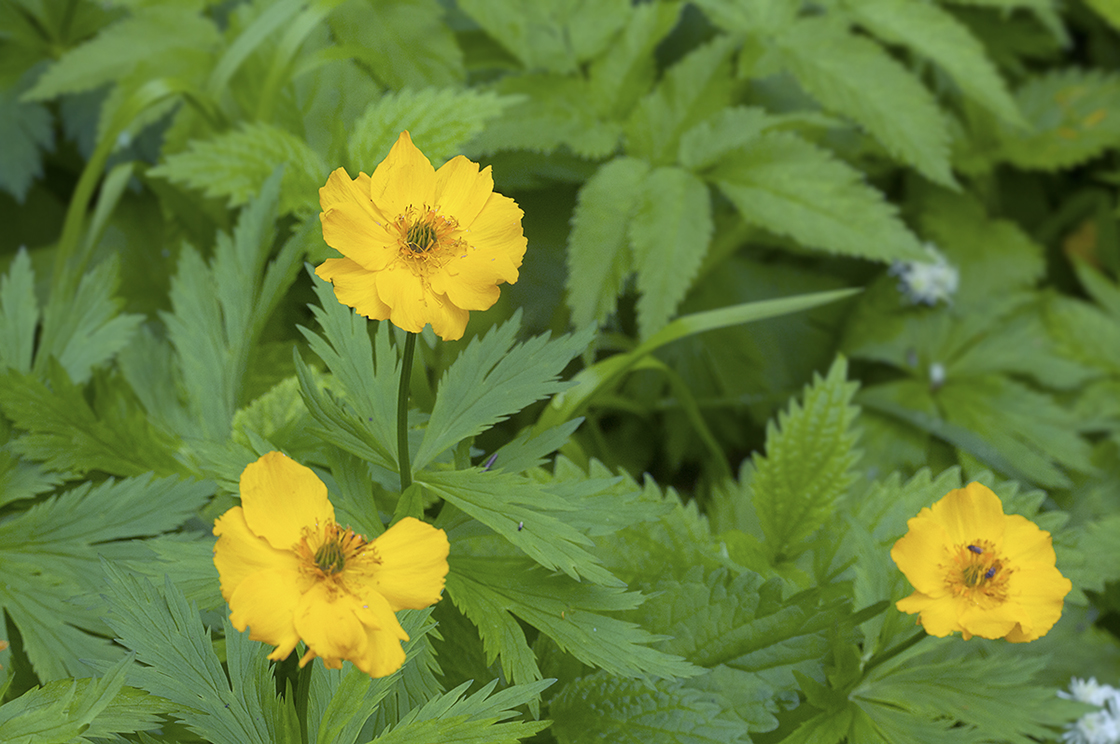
[403,460]
[895,651]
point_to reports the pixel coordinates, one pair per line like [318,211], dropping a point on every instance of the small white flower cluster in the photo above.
[927,282]
[1101,726]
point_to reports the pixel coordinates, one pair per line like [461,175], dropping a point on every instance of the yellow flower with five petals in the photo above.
[419,245]
[978,571]
[290,572]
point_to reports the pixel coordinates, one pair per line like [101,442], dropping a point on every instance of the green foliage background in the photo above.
[712,402]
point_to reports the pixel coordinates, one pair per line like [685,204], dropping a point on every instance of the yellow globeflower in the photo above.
[420,245]
[979,571]
[289,572]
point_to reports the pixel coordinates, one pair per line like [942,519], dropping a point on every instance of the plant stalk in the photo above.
[404,461]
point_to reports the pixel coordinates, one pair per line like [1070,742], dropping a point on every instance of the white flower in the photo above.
[1098,727]
[1091,691]
[927,282]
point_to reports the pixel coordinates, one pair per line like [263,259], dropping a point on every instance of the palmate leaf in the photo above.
[478,719]
[791,187]
[492,379]
[439,121]
[625,71]
[937,35]
[705,144]
[78,711]
[808,462]
[600,707]
[669,234]
[25,130]
[19,314]
[234,165]
[21,479]
[1074,116]
[50,551]
[491,591]
[339,702]
[599,256]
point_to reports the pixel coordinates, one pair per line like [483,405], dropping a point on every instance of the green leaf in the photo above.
[78,710]
[492,379]
[25,129]
[523,513]
[1074,117]
[404,43]
[340,702]
[121,47]
[599,261]
[19,314]
[50,552]
[440,122]
[854,76]
[937,35]
[478,719]
[490,590]
[234,165]
[626,70]
[762,16]
[20,479]
[86,329]
[600,707]
[790,187]
[808,463]
[528,449]
[708,142]
[669,233]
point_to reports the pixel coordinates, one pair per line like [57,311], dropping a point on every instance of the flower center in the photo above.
[326,553]
[424,238]
[977,572]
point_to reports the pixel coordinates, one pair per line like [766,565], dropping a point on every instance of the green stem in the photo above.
[403,459]
[895,651]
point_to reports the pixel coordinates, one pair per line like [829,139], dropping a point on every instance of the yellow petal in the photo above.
[239,553]
[920,553]
[994,621]
[281,497]
[971,513]
[413,306]
[497,232]
[938,616]
[1025,544]
[329,625]
[404,178]
[384,654]
[352,223]
[1040,592]
[266,603]
[354,286]
[468,280]
[413,564]
[461,190]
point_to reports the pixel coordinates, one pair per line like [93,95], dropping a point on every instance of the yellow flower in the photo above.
[420,245]
[289,572]
[979,571]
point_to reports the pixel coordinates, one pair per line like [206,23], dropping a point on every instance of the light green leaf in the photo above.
[790,187]
[234,165]
[20,479]
[762,16]
[626,70]
[854,76]
[601,707]
[528,450]
[404,43]
[340,702]
[493,379]
[937,35]
[440,122]
[122,46]
[599,261]
[669,234]
[808,462]
[478,719]
[19,314]
[705,144]
[1074,115]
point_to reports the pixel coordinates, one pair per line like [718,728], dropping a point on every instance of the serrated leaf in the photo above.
[669,235]
[478,719]
[404,43]
[492,588]
[808,462]
[19,314]
[762,16]
[790,187]
[20,479]
[599,261]
[1074,115]
[854,76]
[492,379]
[626,70]
[26,130]
[439,121]
[706,143]
[339,703]
[601,707]
[234,165]
[122,46]
[937,35]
